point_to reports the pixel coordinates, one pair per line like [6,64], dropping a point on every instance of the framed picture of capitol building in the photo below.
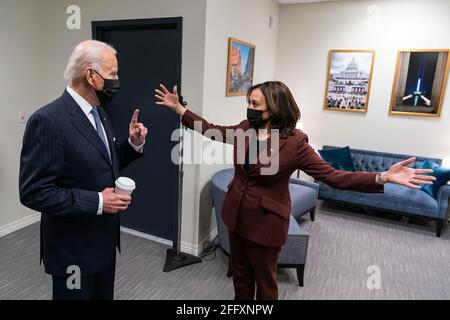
[241,61]
[419,82]
[349,79]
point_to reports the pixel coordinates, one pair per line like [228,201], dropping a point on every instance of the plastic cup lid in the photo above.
[125,183]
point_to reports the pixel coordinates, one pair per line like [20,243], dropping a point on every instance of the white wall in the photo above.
[41,29]
[308,31]
[21,77]
[36,45]
[247,20]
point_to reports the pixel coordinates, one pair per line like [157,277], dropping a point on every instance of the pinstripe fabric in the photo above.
[63,166]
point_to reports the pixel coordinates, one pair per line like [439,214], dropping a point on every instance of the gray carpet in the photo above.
[344,243]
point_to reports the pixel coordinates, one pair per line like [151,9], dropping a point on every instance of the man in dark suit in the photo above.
[69,162]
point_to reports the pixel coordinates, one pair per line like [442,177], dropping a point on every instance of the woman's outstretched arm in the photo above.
[312,164]
[193,121]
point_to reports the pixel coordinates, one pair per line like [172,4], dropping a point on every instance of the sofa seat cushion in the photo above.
[294,228]
[295,250]
[395,197]
[303,199]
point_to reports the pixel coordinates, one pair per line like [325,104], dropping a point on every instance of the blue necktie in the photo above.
[98,124]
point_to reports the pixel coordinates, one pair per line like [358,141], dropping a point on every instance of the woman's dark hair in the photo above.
[281,104]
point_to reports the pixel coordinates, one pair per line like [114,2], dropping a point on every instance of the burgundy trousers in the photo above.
[253,264]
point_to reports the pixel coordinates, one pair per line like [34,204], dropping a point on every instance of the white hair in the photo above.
[86,54]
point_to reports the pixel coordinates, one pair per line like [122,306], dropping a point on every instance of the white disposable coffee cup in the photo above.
[125,186]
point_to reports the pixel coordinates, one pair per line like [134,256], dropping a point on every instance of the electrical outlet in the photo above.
[22,116]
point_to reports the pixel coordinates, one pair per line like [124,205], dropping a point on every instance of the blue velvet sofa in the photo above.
[396,199]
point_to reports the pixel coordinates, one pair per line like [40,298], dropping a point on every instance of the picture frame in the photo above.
[240,67]
[420,82]
[349,80]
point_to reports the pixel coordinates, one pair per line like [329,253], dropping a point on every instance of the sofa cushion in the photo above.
[303,199]
[294,228]
[395,198]
[442,177]
[339,159]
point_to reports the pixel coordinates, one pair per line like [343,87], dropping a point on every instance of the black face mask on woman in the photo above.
[110,89]
[255,117]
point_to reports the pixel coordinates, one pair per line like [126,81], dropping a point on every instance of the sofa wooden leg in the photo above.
[300,274]
[229,272]
[439,227]
[312,214]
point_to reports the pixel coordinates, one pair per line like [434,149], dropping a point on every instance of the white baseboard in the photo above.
[210,237]
[197,250]
[186,247]
[19,224]
[145,236]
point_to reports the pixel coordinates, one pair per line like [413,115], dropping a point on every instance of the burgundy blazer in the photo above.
[258,206]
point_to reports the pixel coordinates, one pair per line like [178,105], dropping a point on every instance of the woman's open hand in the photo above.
[166,98]
[401,174]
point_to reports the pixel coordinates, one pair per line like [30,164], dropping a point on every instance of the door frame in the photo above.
[98,27]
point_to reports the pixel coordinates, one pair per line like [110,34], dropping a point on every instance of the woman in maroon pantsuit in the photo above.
[257,206]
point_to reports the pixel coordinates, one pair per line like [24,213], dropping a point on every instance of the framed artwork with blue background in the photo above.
[420,82]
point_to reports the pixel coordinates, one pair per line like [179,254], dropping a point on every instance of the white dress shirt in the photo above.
[86,107]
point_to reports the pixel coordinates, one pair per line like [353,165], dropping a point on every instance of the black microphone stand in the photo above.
[176,259]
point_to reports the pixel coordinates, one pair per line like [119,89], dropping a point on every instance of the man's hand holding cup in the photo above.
[118,199]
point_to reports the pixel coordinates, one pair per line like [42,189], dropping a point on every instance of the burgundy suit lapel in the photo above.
[272,150]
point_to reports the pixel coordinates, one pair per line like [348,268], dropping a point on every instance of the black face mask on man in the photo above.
[110,89]
[255,117]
